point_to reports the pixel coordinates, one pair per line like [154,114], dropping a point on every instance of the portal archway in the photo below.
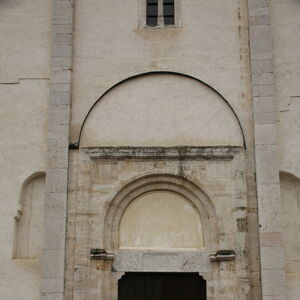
[160,220]
[185,193]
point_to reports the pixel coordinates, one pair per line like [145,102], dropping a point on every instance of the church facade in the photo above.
[150,149]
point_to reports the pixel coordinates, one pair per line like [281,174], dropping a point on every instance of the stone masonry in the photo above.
[53,259]
[266,152]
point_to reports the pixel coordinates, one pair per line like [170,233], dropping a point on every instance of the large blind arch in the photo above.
[132,98]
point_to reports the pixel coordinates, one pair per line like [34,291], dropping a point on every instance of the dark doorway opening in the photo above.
[162,286]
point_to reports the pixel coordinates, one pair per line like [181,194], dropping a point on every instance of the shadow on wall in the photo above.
[29,219]
[290,195]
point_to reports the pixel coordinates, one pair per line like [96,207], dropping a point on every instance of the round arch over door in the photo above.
[160,220]
[194,196]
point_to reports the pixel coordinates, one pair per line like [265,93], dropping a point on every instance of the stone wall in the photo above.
[101,186]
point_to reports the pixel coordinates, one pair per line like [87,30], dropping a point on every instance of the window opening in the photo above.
[152,12]
[169,12]
[160,13]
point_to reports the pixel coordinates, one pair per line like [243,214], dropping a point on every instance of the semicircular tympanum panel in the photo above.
[160,220]
[161,110]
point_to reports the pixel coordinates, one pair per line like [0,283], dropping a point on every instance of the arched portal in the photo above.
[160,220]
[166,194]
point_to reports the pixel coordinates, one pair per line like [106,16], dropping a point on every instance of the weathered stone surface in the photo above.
[209,42]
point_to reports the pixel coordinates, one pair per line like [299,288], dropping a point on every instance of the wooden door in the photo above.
[161,286]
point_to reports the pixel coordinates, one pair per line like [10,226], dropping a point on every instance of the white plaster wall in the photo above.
[25,44]
[24,39]
[286,49]
[161,110]
[109,46]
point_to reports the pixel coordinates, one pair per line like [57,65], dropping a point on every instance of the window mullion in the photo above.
[160,20]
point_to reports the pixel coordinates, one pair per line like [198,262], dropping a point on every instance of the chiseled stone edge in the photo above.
[180,152]
[266,151]
[53,257]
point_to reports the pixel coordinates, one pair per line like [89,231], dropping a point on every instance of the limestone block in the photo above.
[59,114]
[264,104]
[259,11]
[57,131]
[63,39]
[56,180]
[60,87]
[53,264]
[62,19]
[60,76]
[54,238]
[269,208]
[269,239]
[267,65]
[267,164]
[219,170]
[263,79]
[269,276]
[260,20]
[63,62]
[262,56]
[57,144]
[62,28]
[60,98]
[57,159]
[62,51]
[258,3]
[52,296]
[52,284]
[265,134]
[275,288]
[263,90]
[265,118]
[272,258]
[56,205]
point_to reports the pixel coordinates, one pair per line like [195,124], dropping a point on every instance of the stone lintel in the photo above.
[180,152]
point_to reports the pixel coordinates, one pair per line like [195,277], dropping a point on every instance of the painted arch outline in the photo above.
[176,108]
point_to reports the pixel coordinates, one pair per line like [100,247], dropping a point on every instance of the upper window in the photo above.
[169,12]
[160,12]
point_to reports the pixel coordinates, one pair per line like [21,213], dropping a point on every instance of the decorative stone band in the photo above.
[179,152]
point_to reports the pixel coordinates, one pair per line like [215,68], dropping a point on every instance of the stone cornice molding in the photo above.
[180,152]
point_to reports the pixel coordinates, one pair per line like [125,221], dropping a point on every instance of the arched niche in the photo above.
[29,220]
[160,220]
[161,109]
[187,195]
[290,195]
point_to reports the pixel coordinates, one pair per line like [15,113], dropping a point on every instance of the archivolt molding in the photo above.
[162,182]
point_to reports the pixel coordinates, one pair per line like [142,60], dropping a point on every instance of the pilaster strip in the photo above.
[266,152]
[53,258]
